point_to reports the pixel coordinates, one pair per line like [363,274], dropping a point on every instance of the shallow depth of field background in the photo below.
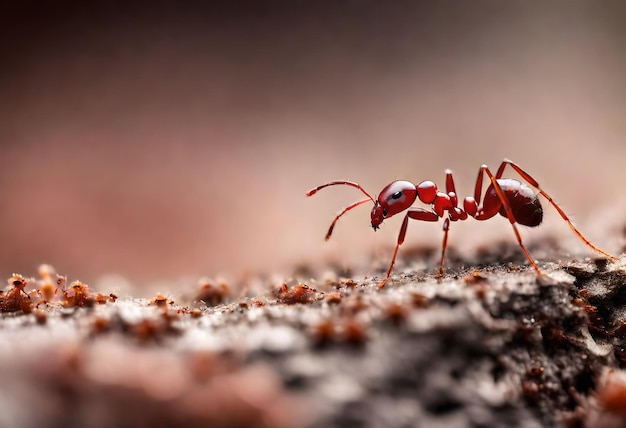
[168,140]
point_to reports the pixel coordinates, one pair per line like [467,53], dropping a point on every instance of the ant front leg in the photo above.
[564,216]
[415,214]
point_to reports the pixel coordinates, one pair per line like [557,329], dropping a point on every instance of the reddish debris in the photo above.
[396,313]
[300,293]
[147,329]
[333,297]
[101,325]
[40,316]
[212,294]
[50,282]
[475,277]
[153,329]
[347,282]
[530,389]
[77,295]
[102,299]
[257,302]
[353,331]
[323,333]
[16,299]
[345,329]
[611,393]
[161,301]
[419,300]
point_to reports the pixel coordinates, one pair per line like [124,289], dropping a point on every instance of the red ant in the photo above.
[511,198]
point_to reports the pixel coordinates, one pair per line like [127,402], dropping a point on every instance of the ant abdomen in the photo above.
[525,204]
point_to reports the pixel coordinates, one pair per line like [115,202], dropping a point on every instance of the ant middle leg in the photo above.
[455,213]
[484,213]
[444,245]
[450,187]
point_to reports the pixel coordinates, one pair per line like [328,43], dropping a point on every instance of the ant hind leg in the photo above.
[564,216]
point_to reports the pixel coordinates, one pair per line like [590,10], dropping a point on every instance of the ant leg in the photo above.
[401,236]
[503,165]
[455,212]
[472,205]
[415,214]
[564,216]
[510,215]
[450,188]
[334,183]
[478,188]
[446,227]
[345,210]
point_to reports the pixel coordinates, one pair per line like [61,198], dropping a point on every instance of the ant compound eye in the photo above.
[396,197]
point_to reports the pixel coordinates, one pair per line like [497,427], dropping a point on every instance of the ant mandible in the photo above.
[508,197]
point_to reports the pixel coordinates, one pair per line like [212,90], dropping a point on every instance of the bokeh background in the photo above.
[166,139]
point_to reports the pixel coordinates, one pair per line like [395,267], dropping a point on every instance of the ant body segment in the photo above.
[505,196]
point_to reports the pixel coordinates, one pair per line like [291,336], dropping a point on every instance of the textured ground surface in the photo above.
[489,347]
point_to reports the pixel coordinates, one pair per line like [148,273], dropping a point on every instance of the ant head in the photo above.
[394,198]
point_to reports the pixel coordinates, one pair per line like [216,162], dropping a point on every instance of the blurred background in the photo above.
[179,138]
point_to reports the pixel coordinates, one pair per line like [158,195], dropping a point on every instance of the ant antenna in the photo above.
[346,209]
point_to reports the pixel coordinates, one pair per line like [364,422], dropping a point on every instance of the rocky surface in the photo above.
[488,347]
